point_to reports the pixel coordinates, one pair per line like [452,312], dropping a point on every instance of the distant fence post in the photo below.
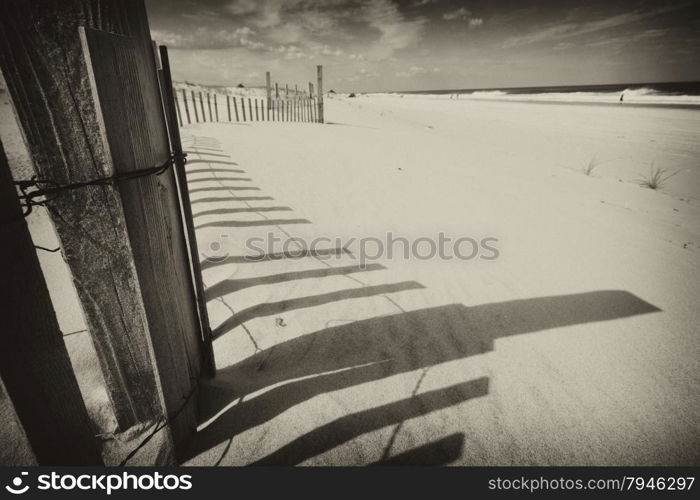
[311,90]
[277,91]
[187,109]
[250,109]
[228,106]
[319,71]
[177,108]
[194,106]
[268,92]
[286,91]
[216,108]
[235,107]
[201,103]
[243,108]
[211,118]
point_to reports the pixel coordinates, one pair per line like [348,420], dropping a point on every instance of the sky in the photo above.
[385,45]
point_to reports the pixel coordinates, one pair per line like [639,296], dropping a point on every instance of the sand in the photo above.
[578,345]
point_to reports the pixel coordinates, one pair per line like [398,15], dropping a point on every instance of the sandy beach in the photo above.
[577,345]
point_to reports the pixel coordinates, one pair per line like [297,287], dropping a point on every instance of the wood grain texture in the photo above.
[197,285]
[125,247]
[43,64]
[15,450]
[133,125]
[34,364]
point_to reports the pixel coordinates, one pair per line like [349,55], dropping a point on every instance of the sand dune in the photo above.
[578,345]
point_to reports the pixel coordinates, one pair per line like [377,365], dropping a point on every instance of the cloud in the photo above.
[207,38]
[416,71]
[564,30]
[460,13]
[475,22]
[362,73]
[396,32]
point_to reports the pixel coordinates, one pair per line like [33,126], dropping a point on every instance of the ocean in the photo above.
[684,94]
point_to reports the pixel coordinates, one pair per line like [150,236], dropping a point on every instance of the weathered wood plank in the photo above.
[131,117]
[319,72]
[198,285]
[187,109]
[34,363]
[194,106]
[59,120]
[15,450]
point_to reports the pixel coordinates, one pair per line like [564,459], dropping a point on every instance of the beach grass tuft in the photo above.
[591,166]
[657,178]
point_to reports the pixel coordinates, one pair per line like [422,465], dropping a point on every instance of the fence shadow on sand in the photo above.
[372,349]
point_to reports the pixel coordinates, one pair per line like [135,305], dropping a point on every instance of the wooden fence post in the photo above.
[194,106]
[235,107]
[34,363]
[268,93]
[311,90]
[216,108]
[228,106]
[277,91]
[99,227]
[250,109]
[319,71]
[176,145]
[135,133]
[201,103]
[211,118]
[257,115]
[177,109]
[187,109]
[16,451]
[243,108]
[286,91]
